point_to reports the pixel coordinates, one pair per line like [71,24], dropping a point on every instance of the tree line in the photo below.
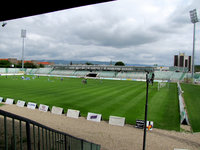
[119,63]
[8,64]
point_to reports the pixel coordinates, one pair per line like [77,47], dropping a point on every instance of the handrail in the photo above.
[41,126]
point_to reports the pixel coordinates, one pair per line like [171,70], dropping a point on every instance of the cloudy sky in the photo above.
[133,31]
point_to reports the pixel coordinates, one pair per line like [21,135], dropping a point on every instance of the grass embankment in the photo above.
[192,101]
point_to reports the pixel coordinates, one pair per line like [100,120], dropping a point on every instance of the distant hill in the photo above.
[67,62]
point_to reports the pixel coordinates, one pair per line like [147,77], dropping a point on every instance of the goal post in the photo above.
[161,85]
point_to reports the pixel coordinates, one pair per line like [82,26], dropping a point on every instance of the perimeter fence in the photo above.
[19,133]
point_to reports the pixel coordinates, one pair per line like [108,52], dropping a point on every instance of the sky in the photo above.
[132,31]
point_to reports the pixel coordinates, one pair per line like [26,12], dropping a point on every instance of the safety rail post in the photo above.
[34,136]
[20,134]
[46,139]
[13,143]
[52,140]
[55,141]
[49,139]
[38,138]
[65,139]
[5,133]
[28,135]
[42,138]
[81,144]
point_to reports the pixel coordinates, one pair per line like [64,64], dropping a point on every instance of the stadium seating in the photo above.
[43,70]
[2,70]
[28,71]
[13,70]
[110,74]
[121,75]
[80,73]
[177,75]
[131,75]
[163,75]
[170,75]
[63,72]
[159,75]
[33,71]
[10,70]
[138,75]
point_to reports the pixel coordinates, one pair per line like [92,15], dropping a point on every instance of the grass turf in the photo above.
[192,101]
[107,97]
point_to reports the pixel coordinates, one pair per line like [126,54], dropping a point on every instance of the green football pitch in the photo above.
[107,97]
[192,101]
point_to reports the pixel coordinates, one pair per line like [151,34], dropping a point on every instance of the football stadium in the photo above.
[108,91]
[85,106]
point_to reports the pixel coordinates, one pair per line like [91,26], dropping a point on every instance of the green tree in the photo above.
[26,65]
[119,63]
[88,63]
[197,68]
[29,65]
[5,64]
[41,66]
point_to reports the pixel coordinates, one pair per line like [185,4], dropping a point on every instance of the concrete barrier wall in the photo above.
[183,112]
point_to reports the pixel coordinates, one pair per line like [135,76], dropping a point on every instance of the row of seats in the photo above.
[159,75]
[134,75]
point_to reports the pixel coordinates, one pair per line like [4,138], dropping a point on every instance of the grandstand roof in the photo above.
[104,67]
[27,61]
[30,8]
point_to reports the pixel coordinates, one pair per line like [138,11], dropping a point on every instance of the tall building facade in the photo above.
[183,61]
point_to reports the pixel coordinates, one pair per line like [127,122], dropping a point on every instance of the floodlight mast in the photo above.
[23,35]
[194,20]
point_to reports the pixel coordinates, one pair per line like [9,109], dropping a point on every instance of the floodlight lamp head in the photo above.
[193,16]
[4,24]
[23,33]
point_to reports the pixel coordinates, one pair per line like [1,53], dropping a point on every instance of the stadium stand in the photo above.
[177,75]
[43,70]
[138,75]
[33,71]
[122,75]
[104,72]
[28,71]
[13,70]
[62,72]
[163,75]
[132,75]
[2,70]
[110,74]
[80,73]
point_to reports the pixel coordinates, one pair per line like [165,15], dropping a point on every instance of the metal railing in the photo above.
[19,133]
